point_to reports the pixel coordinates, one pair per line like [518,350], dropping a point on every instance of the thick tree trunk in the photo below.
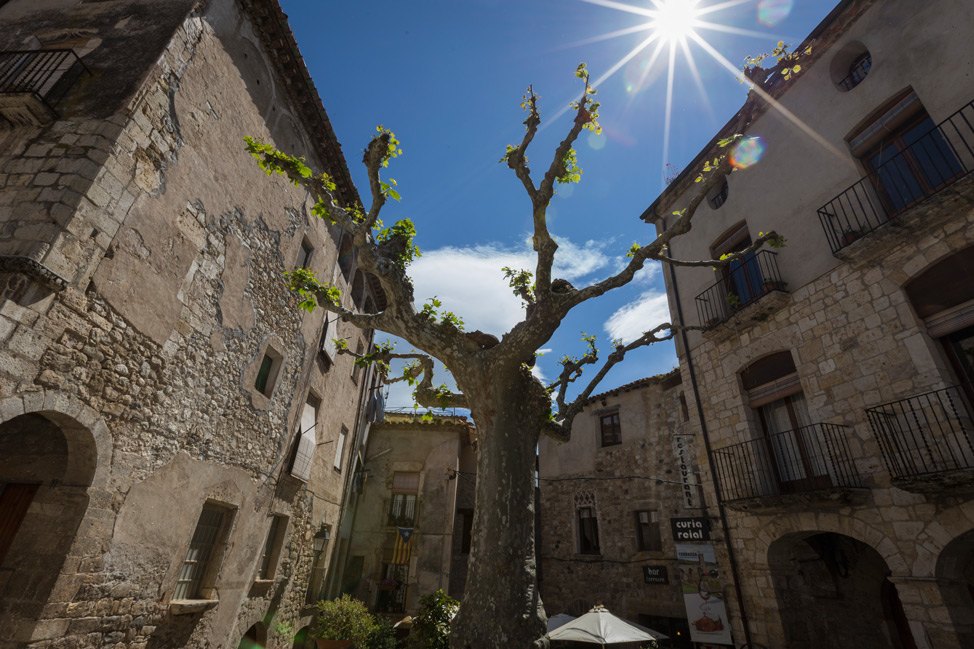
[501,604]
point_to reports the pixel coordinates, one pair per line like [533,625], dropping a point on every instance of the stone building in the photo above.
[834,385]
[417,489]
[608,500]
[176,436]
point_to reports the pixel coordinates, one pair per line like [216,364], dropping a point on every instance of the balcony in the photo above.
[747,281]
[926,439]
[808,465]
[933,161]
[33,83]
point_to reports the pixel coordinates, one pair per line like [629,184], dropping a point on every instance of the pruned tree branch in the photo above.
[425,393]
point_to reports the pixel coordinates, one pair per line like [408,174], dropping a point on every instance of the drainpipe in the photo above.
[710,462]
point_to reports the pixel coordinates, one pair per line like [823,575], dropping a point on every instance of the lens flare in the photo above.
[748,152]
[596,141]
[772,12]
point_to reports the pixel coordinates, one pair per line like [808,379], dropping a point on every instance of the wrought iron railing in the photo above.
[939,158]
[927,433]
[47,74]
[806,459]
[745,281]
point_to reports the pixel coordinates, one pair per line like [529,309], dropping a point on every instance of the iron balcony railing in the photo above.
[805,459]
[927,433]
[940,157]
[46,74]
[746,280]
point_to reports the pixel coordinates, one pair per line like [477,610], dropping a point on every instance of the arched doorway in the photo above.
[303,639]
[955,573]
[47,462]
[833,592]
[254,638]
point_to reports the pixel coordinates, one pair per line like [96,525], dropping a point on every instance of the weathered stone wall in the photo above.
[170,245]
[640,473]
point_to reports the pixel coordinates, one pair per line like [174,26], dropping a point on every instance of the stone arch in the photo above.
[255,637]
[54,454]
[835,591]
[303,639]
[87,436]
[955,576]
[826,522]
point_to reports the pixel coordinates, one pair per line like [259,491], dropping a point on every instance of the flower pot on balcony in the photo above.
[849,236]
[770,285]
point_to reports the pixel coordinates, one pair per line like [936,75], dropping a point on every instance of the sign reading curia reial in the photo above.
[690,529]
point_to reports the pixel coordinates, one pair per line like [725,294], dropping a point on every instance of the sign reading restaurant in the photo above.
[690,529]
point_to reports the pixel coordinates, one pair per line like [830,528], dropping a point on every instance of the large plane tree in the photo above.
[510,407]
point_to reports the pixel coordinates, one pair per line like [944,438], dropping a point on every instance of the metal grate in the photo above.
[200,551]
[927,433]
[857,71]
[45,73]
[747,280]
[805,459]
[937,159]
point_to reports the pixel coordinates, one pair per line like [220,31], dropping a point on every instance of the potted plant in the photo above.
[848,236]
[771,285]
[342,623]
[388,584]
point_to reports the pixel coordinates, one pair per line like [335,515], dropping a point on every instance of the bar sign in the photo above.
[655,575]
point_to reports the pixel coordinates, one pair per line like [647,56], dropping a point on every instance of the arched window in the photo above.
[346,257]
[358,289]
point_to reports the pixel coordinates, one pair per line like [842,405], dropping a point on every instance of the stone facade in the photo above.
[846,485]
[651,469]
[418,475]
[141,289]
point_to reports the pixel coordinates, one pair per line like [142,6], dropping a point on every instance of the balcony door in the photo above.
[794,445]
[742,277]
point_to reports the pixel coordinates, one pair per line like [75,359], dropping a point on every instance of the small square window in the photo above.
[648,536]
[267,374]
[304,257]
[611,429]
[272,548]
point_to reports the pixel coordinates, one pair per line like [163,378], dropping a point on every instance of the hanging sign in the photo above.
[690,529]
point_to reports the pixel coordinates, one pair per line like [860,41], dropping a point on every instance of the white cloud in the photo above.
[469,281]
[629,322]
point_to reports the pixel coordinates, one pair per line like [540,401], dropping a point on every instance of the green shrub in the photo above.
[343,619]
[431,626]
[383,636]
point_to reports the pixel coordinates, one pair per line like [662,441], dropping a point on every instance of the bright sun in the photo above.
[674,20]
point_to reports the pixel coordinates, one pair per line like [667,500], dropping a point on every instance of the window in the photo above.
[718,196]
[340,448]
[742,278]
[611,430]
[307,440]
[850,65]
[272,547]
[197,573]
[797,454]
[907,156]
[267,374]
[402,510]
[392,588]
[328,335]
[588,531]
[304,257]
[358,289]
[648,537]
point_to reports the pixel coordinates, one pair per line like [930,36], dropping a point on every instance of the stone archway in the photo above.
[254,638]
[833,592]
[48,460]
[955,574]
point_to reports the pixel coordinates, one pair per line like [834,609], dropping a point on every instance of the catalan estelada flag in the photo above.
[400,553]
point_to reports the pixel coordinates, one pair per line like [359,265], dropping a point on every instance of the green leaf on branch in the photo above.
[633,249]
[304,282]
[571,172]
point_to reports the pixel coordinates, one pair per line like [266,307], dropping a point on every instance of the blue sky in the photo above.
[447,78]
